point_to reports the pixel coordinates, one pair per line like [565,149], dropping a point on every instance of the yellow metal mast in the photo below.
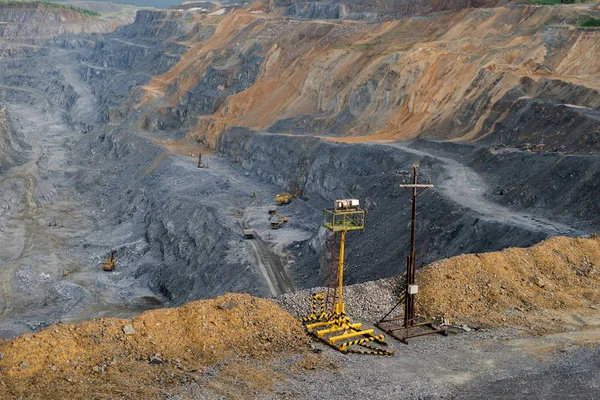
[339,306]
[345,216]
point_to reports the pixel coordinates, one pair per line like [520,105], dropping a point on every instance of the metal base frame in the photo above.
[392,327]
[337,331]
[407,332]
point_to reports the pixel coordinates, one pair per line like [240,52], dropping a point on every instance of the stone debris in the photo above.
[541,288]
[128,329]
[101,360]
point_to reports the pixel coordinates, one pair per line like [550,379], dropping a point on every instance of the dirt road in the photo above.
[465,187]
[270,264]
[267,253]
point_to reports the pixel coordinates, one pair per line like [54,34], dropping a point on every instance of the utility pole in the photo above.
[410,286]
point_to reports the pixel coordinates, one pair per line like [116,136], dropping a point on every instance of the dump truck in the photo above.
[275,223]
[248,233]
[111,262]
[272,210]
[277,215]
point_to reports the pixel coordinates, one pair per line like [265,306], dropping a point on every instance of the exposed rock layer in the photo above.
[511,75]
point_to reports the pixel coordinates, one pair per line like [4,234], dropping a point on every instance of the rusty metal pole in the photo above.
[409,311]
[410,288]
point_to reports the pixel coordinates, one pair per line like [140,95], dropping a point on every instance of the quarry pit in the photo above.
[102,121]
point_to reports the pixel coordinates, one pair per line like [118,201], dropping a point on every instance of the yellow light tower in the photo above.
[328,321]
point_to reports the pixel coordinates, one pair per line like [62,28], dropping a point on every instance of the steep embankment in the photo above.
[375,10]
[509,75]
[153,354]
[11,143]
[128,58]
[30,22]
[551,286]
[456,217]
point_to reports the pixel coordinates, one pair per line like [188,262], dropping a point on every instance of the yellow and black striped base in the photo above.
[336,330]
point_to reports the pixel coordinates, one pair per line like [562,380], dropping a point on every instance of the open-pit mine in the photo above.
[191,197]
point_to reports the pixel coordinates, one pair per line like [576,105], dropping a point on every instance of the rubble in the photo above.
[541,288]
[170,346]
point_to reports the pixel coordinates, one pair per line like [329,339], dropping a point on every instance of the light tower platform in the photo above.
[328,321]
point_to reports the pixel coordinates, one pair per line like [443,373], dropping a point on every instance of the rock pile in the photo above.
[550,287]
[145,356]
[540,288]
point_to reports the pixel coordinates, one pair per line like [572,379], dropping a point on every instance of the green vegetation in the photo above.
[590,22]
[365,46]
[49,4]
[556,2]
[552,2]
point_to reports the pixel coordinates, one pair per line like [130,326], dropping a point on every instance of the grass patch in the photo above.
[365,46]
[590,22]
[557,2]
[48,4]
[356,47]
[546,2]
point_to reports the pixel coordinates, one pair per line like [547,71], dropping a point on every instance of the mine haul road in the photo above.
[270,264]
[467,188]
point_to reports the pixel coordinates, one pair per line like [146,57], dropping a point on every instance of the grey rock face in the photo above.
[371,173]
[375,10]
[559,116]
[12,146]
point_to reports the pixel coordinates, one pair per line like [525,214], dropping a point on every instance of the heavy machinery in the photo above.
[286,197]
[328,321]
[248,233]
[111,261]
[276,223]
[277,215]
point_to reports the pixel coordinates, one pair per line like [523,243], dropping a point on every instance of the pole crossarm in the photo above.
[410,288]
[419,185]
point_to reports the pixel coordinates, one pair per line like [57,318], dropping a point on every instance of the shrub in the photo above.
[590,22]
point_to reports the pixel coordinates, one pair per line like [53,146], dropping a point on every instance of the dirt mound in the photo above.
[146,356]
[551,286]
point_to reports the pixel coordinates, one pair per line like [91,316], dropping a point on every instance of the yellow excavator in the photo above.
[111,261]
[286,197]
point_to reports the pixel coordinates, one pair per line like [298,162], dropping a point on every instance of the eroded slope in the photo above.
[150,355]
[509,75]
[551,286]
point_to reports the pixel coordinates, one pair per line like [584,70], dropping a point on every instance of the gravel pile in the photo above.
[367,301]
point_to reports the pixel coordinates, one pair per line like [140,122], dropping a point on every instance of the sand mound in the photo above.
[548,287]
[144,357]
